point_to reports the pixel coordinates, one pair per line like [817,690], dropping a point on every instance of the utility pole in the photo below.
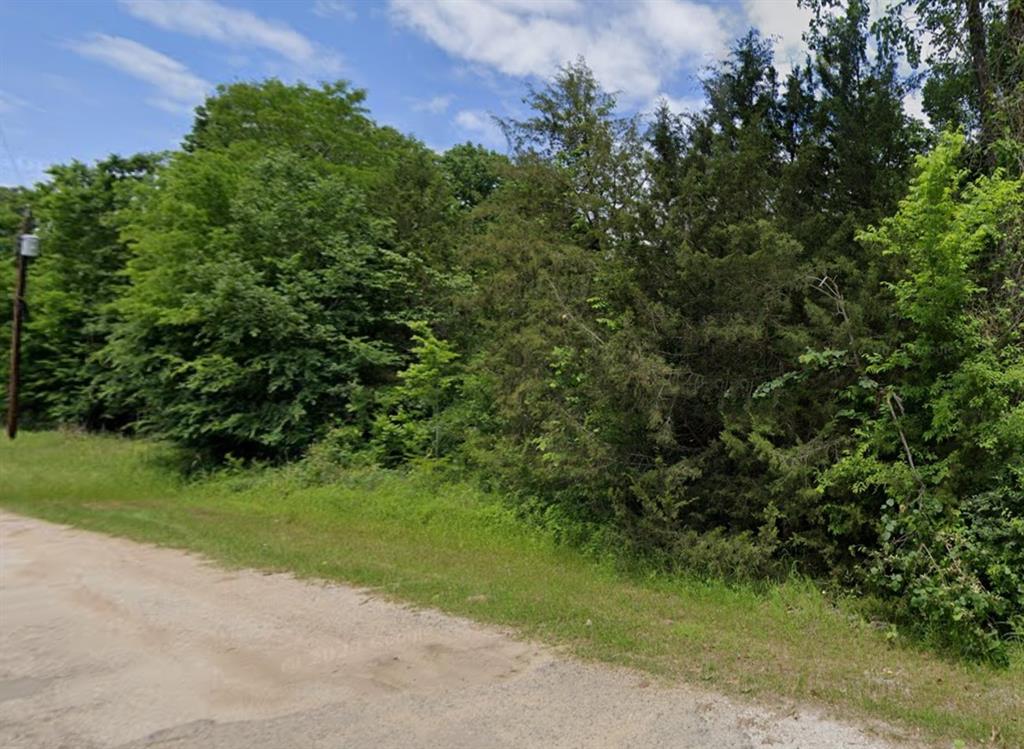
[27,246]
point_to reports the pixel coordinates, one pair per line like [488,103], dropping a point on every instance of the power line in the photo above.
[10,155]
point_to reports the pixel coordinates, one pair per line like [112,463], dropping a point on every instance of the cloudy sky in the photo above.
[83,79]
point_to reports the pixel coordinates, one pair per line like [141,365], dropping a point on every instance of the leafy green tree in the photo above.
[263,292]
[574,128]
[415,417]
[611,340]
[13,202]
[847,147]
[473,173]
[852,144]
[940,419]
[327,122]
[732,160]
[975,55]
[276,263]
[71,284]
[78,275]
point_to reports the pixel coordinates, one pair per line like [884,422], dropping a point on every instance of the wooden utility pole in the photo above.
[19,317]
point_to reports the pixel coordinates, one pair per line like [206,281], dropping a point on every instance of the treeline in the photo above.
[784,332]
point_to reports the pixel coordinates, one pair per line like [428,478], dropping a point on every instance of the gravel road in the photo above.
[109,643]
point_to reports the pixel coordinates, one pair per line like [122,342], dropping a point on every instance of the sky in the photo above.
[81,79]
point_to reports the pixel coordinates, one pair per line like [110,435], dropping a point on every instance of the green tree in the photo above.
[939,420]
[79,274]
[246,328]
[473,173]
[975,56]
[415,417]
[276,263]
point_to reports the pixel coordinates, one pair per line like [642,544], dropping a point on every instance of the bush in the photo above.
[940,443]
[959,580]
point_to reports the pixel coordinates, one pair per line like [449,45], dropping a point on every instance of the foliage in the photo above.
[975,55]
[274,270]
[942,448]
[473,173]
[79,273]
[414,418]
[232,337]
[730,341]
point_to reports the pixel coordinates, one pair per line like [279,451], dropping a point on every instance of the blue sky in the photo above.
[82,79]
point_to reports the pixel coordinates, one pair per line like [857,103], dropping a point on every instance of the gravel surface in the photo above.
[109,643]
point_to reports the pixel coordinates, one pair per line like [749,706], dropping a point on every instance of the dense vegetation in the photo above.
[784,332]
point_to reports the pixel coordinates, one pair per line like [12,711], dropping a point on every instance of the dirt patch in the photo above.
[108,643]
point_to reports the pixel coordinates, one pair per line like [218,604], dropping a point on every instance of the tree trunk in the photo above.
[1015,92]
[979,64]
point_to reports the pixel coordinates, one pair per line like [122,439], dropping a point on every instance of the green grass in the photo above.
[455,548]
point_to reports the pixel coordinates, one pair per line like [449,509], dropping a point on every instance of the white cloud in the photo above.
[177,87]
[632,47]
[694,28]
[235,27]
[482,126]
[334,9]
[550,7]
[170,105]
[913,105]
[678,104]
[434,105]
[786,22]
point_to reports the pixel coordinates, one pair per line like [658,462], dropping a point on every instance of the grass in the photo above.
[454,548]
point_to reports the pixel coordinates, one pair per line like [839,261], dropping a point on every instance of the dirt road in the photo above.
[108,643]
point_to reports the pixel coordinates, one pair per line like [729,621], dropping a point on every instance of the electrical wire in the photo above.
[10,155]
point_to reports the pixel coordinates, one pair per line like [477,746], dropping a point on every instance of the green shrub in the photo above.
[939,446]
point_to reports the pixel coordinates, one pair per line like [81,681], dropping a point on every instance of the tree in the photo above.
[78,274]
[939,420]
[976,57]
[473,173]
[245,330]
[327,122]
[574,127]
[854,148]
[414,418]
[275,266]
[732,160]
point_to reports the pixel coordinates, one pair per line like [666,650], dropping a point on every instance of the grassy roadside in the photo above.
[456,549]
